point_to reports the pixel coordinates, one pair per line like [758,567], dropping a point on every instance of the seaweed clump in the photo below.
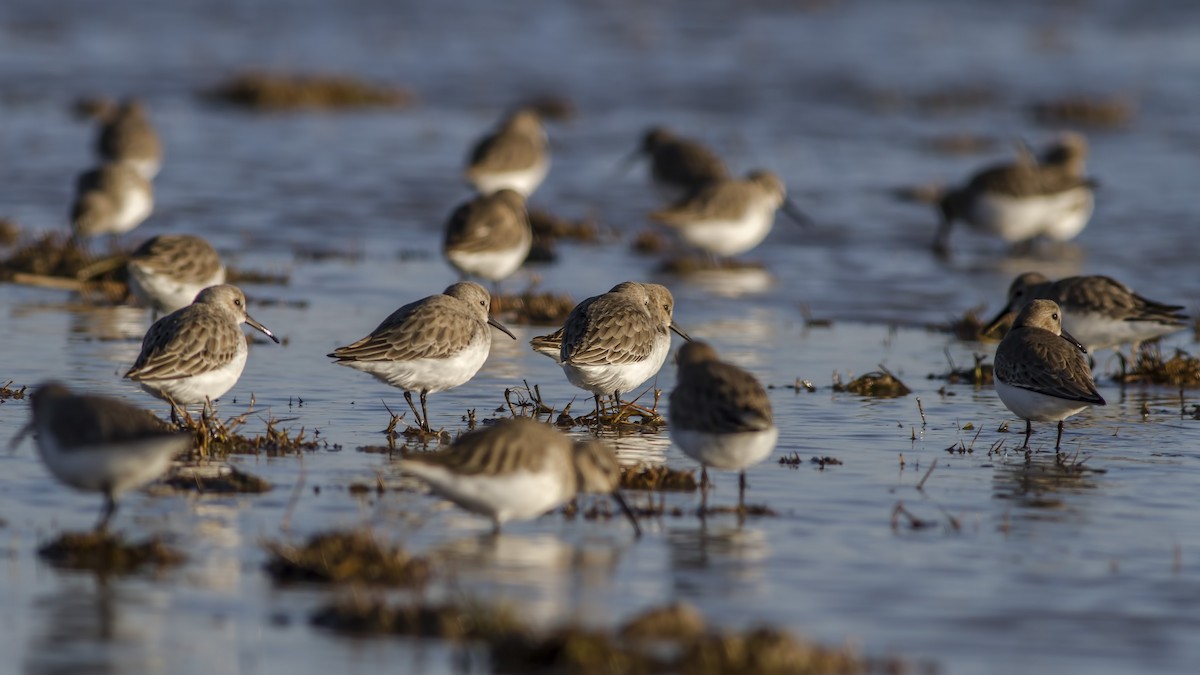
[225,480]
[279,91]
[101,551]
[970,327]
[345,557]
[464,621]
[657,479]
[880,383]
[8,392]
[1098,112]
[533,308]
[1149,367]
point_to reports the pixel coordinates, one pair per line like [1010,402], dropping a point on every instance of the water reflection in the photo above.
[1041,486]
[84,631]
[729,283]
[722,558]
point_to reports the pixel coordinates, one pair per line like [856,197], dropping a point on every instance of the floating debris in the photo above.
[344,557]
[979,375]
[970,327]
[465,621]
[881,383]
[533,308]
[217,438]
[959,144]
[8,393]
[679,621]
[650,241]
[742,511]
[658,478]
[548,229]
[247,276]
[1090,111]
[225,479]
[279,91]
[1149,367]
[108,553]
[56,260]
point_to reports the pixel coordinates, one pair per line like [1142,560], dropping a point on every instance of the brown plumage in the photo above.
[128,136]
[82,420]
[681,163]
[717,397]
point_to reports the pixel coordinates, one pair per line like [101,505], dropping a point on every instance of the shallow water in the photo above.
[1024,569]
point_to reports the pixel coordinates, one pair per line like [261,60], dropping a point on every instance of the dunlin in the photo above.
[196,354]
[167,272]
[612,343]
[1099,311]
[679,166]
[430,345]
[549,345]
[730,216]
[489,237]
[1020,202]
[1041,373]
[516,156]
[127,135]
[1069,152]
[518,469]
[111,199]
[720,415]
[101,444]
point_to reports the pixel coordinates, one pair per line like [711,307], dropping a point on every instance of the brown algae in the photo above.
[345,557]
[658,478]
[533,308]
[108,553]
[282,91]
[881,383]
[1149,367]
[217,480]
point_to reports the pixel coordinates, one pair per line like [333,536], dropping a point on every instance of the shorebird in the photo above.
[1099,311]
[110,199]
[1040,370]
[518,469]
[679,166]
[100,444]
[489,237]
[427,346]
[167,272]
[720,415]
[126,135]
[515,156]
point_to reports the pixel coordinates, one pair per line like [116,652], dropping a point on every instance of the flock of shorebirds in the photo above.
[610,344]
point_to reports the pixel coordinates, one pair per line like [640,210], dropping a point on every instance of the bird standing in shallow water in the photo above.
[518,469]
[126,135]
[720,415]
[679,166]
[1040,370]
[110,199]
[430,345]
[489,237]
[100,444]
[167,272]
[196,354]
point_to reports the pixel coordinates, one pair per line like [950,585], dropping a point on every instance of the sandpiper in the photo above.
[679,166]
[1069,152]
[100,444]
[126,135]
[489,237]
[1041,373]
[720,415]
[516,156]
[111,199]
[1099,311]
[612,343]
[197,353]
[549,345]
[518,469]
[430,345]
[167,272]
[730,216]
[1020,202]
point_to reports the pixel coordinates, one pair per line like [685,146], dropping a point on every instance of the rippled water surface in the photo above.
[1024,569]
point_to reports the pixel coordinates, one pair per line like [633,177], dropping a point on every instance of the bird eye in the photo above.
[237,302]
[1054,316]
[483,303]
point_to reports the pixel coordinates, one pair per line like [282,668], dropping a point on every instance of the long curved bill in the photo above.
[789,207]
[500,327]
[263,329]
[637,529]
[1070,338]
[679,331]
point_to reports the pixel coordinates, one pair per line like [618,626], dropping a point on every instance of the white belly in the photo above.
[1059,217]
[524,181]
[1030,405]
[164,293]
[729,452]
[134,207]
[516,496]
[197,388]
[430,375]
[117,467]
[730,237]
[1100,331]
[625,377]
[490,265]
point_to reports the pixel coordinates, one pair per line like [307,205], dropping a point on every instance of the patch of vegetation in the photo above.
[549,229]
[10,232]
[281,91]
[881,383]
[980,374]
[346,557]
[217,438]
[658,478]
[1149,367]
[7,392]
[56,260]
[463,621]
[104,552]
[533,308]
[970,327]
[238,277]
[650,241]
[690,264]
[1090,111]
[225,480]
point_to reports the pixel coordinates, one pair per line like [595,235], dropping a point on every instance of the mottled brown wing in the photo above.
[719,398]
[483,225]
[186,258]
[128,136]
[432,328]
[504,152]
[509,446]
[1026,180]
[687,164]
[1038,360]
[1113,297]
[188,342]
[725,199]
[90,420]
[608,329]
